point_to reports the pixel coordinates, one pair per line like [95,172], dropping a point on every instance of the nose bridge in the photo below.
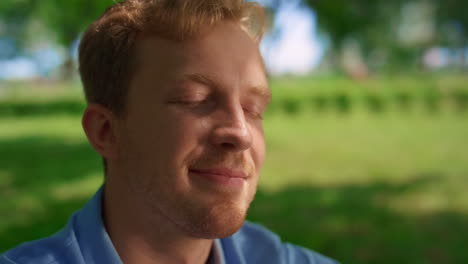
[232,129]
[233,116]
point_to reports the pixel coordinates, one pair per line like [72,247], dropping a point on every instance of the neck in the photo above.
[139,237]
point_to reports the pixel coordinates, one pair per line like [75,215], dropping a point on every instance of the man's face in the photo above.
[191,142]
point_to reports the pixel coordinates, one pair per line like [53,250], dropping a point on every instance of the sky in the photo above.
[297,50]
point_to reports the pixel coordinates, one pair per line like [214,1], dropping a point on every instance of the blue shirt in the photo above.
[85,240]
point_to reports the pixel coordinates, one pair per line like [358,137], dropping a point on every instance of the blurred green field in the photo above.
[362,185]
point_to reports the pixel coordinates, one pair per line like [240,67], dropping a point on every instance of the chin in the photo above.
[218,222]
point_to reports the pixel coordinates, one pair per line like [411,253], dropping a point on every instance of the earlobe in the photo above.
[99,126]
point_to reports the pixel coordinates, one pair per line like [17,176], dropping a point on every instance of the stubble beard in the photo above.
[218,219]
[195,212]
[208,218]
[221,220]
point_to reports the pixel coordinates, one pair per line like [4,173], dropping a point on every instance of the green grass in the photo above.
[368,189]
[360,187]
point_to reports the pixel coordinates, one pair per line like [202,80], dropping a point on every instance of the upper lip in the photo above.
[226,172]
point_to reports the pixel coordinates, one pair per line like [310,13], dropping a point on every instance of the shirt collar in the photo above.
[217,254]
[94,241]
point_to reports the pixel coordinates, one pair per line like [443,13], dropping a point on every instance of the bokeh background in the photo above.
[367,132]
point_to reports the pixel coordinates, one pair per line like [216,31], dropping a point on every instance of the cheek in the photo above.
[178,138]
[156,138]
[258,147]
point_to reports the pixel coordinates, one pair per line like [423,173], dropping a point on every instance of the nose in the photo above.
[232,132]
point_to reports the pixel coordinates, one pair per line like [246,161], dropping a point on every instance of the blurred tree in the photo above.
[360,31]
[416,32]
[67,19]
[452,20]
[399,30]
[15,15]
[355,27]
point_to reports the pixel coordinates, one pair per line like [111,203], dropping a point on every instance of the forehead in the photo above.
[225,53]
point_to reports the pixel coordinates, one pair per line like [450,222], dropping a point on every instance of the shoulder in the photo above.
[58,248]
[257,244]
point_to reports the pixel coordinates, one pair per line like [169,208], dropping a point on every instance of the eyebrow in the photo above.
[260,90]
[198,78]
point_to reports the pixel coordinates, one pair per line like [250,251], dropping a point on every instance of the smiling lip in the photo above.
[223,176]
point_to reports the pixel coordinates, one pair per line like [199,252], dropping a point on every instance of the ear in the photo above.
[99,125]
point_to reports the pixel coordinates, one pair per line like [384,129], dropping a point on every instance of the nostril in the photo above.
[231,138]
[228,145]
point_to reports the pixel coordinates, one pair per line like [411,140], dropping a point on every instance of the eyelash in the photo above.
[194,103]
[255,114]
[191,102]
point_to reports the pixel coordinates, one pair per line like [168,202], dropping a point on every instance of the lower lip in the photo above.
[221,179]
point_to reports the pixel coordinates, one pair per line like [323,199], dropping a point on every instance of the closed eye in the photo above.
[196,101]
[190,103]
[253,112]
[200,106]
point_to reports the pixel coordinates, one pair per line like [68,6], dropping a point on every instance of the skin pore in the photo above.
[184,160]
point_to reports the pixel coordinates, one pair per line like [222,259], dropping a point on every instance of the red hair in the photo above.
[106,53]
